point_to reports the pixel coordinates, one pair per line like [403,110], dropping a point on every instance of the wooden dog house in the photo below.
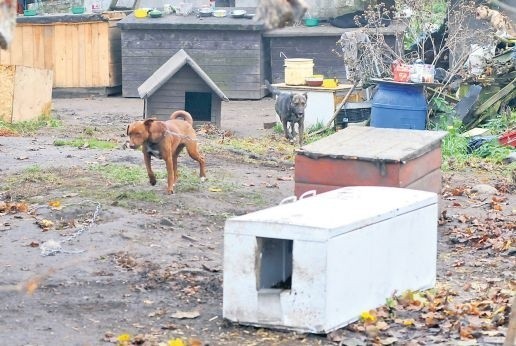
[181,84]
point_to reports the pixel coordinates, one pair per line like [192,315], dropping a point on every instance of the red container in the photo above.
[401,73]
[508,138]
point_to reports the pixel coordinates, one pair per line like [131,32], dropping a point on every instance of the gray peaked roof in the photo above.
[169,69]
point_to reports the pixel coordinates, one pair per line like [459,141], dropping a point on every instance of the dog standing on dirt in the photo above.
[165,140]
[501,23]
[290,108]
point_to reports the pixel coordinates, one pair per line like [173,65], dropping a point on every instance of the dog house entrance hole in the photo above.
[274,263]
[199,105]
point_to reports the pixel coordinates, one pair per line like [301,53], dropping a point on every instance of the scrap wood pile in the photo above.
[470,49]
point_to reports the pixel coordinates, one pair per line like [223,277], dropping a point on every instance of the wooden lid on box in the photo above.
[373,144]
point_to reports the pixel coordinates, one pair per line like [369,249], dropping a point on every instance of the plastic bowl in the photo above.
[330,83]
[311,21]
[219,13]
[29,13]
[205,12]
[314,81]
[141,12]
[238,13]
[155,13]
[77,10]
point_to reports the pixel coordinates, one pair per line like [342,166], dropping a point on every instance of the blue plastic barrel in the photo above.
[399,106]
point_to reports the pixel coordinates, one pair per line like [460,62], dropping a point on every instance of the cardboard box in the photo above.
[26,93]
[316,264]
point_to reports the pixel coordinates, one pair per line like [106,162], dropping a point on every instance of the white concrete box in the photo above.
[316,264]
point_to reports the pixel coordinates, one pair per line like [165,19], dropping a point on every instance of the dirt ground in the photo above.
[133,257]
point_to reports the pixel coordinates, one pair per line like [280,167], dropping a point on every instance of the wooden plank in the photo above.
[68,66]
[59,56]
[142,72]
[38,84]
[161,102]
[48,47]
[251,62]
[95,46]
[81,56]
[74,42]
[5,57]
[88,54]
[27,46]
[39,47]
[388,145]
[104,61]
[6,91]
[17,47]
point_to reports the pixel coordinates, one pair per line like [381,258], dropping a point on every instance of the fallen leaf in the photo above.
[45,224]
[389,341]
[496,206]
[408,322]
[176,342]
[124,339]
[56,205]
[352,342]
[21,207]
[186,314]
[287,178]
[368,317]
[215,189]
[169,326]
[22,158]
[382,325]
[372,331]
[195,342]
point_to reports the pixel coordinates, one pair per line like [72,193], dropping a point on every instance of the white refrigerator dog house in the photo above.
[314,265]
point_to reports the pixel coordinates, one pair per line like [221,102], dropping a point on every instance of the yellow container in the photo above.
[141,12]
[296,70]
[330,83]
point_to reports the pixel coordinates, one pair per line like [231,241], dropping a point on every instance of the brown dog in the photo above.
[165,140]
[501,23]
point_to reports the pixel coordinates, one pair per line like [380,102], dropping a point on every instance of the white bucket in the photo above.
[296,70]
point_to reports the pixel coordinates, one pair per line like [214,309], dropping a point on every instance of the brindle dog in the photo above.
[290,107]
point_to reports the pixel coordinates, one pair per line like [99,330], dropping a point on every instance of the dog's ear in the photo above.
[148,122]
[306,96]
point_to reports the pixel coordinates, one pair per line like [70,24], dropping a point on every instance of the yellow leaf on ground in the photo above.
[176,342]
[123,338]
[215,189]
[367,317]
[409,322]
[55,204]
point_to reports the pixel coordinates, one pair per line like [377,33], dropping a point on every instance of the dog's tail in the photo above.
[183,115]
[271,89]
